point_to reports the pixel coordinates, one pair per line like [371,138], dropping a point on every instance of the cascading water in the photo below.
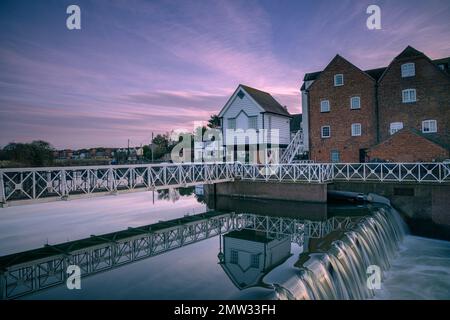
[341,271]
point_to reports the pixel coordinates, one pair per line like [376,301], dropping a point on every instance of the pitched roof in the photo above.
[416,132]
[408,52]
[296,122]
[266,101]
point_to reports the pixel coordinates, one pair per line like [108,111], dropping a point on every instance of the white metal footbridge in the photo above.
[22,185]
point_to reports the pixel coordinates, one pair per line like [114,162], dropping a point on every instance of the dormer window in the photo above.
[338,80]
[408,70]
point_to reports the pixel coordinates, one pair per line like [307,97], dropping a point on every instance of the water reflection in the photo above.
[247,256]
[251,245]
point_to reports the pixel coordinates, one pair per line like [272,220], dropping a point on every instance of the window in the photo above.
[355,103]
[325,106]
[395,126]
[441,66]
[408,70]
[253,122]
[356,129]
[335,156]
[231,123]
[325,131]
[240,94]
[429,126]
[338,80]
[409,95]
[234,257]
[254,262]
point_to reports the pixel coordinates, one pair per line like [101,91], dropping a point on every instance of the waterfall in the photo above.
[341,271]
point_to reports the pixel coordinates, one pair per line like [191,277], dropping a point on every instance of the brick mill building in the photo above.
[397,113]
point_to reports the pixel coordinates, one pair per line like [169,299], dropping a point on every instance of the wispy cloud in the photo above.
[143,66]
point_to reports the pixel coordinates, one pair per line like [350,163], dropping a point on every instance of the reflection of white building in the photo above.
[248,255]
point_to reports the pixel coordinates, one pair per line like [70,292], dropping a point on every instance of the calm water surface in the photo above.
[194,271]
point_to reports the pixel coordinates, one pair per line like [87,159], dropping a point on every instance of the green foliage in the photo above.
[36,154]
[214,121]
[161,146]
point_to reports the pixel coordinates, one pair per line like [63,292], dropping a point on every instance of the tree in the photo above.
[161,146]
[37,153]
[147,152]
[214,121]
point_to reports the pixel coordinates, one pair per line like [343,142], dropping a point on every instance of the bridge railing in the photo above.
[392,172]
[309,172]
[37,183]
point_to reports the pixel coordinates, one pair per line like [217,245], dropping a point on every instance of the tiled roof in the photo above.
[266,101]
[376,73]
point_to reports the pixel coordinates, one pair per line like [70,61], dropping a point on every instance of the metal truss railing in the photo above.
[39,183]
[393,172]
[310,172]
[31,271]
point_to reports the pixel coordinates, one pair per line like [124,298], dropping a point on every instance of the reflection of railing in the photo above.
[39,183]
[35,270]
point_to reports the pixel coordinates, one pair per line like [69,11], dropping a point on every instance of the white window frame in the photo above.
[335,82]
[429,123]
[395,127]
[232,123]
[253,122]
[322,103]
[408,70]
[334,152]
[356,98]
[329,132]
[407,96]
[355,132]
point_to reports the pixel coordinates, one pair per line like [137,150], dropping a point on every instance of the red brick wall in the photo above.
[406,146]
[340,117]
[433,98]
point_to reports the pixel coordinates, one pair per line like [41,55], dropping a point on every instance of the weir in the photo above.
[339,269]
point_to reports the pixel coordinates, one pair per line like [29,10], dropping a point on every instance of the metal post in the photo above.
[2,282]
[34,184]
[2,190]
[49,181]
[63,185]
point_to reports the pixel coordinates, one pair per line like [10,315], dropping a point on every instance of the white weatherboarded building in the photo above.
[250,108]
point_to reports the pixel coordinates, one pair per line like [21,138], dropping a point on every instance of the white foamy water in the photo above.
[421,270]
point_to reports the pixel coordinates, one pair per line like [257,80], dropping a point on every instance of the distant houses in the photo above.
[131,154]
